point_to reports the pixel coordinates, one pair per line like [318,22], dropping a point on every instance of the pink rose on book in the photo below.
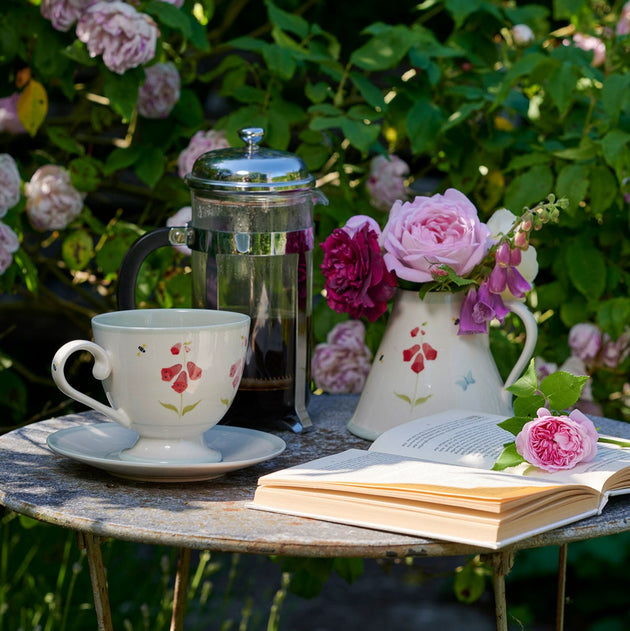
[553,443]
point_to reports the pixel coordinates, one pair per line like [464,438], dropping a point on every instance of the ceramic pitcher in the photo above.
[423,366]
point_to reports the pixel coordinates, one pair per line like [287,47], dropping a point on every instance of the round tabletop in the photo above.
[215,514]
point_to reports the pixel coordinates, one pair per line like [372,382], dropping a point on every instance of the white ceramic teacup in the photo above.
[169,374]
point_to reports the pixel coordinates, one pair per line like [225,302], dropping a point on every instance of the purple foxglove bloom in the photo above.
[505,275]
[123,36]
[467,321]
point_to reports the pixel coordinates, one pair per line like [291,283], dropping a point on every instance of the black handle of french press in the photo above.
[132,261]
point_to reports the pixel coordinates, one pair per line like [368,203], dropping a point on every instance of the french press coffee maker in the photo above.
[251,237]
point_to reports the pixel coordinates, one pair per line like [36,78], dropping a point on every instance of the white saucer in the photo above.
[100,445]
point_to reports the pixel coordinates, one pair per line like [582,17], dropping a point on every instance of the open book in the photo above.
[433,477]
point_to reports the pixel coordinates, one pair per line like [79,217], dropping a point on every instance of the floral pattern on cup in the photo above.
[178,375]
[416,355]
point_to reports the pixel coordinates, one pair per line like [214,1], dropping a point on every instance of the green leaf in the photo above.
[527,384]
[371,93]
[348,569]
[280,61]
[287,21]
[603,189]
[561,87]
[528,188]
[509,458]
[13,394]
[119,159]
[85,173]
[359,134]
[318,92]
[191,407]
[169,406]
[110,255]
[421,400]
[28,270]
[572,183]
[469,583]
[614,92]
[613,316]
[515,424]
[122,90]
[424,123]
[614,147]
[77,249]
[528,406]
[61,137]
[562,389]
[150,166]
[404,397]
[385,50]
[170,15]
[586,267]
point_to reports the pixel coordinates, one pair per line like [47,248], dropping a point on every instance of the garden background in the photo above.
[505,101]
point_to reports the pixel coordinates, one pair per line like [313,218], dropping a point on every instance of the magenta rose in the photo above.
[553,442]
[428,232]
[357,281]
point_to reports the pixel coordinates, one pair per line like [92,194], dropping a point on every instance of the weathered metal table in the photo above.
[214,515]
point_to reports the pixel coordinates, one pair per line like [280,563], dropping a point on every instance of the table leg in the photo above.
[181,587]
[562,585]
[501,565]
[92,545]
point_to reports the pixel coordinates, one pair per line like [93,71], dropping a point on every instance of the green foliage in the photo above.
[442,84]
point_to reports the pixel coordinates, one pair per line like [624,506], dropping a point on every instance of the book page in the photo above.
[474,439]
[461,437]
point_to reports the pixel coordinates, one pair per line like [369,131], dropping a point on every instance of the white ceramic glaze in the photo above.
[101,444]
[423,366]
[168,374]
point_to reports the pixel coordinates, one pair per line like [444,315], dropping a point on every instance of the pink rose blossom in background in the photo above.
[52,202]
[623,26]
[342,363]
[585,341]
[9,119]
[181,218]
[349,334]
[589,43]
[431,231]
[123,36]
[160,91]
[553,442]
[200,143]
[357,281]
[63,13]
[386,181]
[9,243]
[10,182]
[613,352]
[178,3]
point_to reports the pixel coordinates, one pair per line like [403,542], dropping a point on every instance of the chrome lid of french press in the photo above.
[252,169]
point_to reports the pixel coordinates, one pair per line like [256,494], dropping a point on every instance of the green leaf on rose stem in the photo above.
[28,270]
[122,90]
[514,424]
[528,406]
[613,316]
[150,166]
[452,276]
[63,138]
[562,389]
[586,267]
[527,384]
[420,400]
[508,458]
[404,397]
[85,173]
[170,15]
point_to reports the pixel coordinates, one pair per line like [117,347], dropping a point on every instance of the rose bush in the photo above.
[504,116]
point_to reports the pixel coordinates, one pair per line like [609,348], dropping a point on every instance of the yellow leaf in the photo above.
[32,106]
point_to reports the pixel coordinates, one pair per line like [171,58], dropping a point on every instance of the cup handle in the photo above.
[101,370]
[531,337]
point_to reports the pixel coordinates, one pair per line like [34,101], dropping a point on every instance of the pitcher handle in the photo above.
[531,336]
[133,259]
